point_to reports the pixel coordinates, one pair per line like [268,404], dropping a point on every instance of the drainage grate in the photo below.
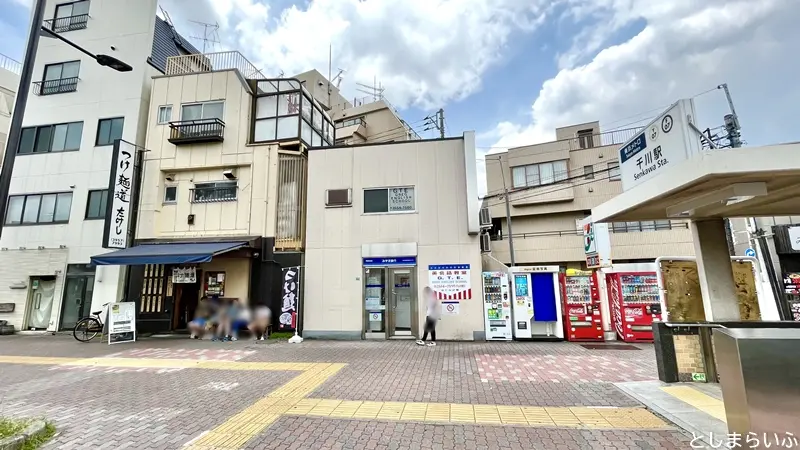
[609,347]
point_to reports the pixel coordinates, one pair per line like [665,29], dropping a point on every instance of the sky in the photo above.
[514,70]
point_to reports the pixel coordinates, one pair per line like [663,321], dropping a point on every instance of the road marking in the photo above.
[158,363]
[706,403]
[563,417]
[236,431]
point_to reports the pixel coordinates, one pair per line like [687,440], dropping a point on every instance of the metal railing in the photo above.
[10,64]
[71,23]
[209,62]
[642,227]
[213,194]
[583,142]
[196,130]
[60,86]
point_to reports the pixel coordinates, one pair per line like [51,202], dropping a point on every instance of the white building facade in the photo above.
[59,189]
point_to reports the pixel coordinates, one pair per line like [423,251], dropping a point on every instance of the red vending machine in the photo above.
[634,302]
[581,306]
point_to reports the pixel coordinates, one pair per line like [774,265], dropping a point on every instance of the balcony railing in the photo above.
[213,194]
[60,86]
[71,23]
[211,62]
[616,228]
[10,64]
[196,131]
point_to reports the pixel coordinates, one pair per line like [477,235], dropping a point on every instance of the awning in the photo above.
[180,253]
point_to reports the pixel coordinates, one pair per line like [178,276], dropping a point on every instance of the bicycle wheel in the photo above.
[86,329]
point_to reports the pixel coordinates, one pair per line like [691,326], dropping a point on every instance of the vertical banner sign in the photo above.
[121,322]
[120,193]
[596,245]
[291,298]
[450,281]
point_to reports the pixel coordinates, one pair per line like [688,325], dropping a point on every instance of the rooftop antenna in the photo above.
[338,78]
[210,34]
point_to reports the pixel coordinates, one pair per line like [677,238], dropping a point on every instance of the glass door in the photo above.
[77,300]
[375,302]
[403,305]
[41,302]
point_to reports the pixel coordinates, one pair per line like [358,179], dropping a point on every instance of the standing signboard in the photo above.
[122,183]
[663,143]
[450,281]
[121,322]
[290,304]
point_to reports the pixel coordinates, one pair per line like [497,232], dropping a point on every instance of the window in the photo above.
[647,225]
[539,174]
[588,172]
[220,191]
[51,138]
[354,121]
[202,111]
[59,78]
[109,130]
[170,194]
[586,138]
[613,171]
[96,204]
[389,200]
[61,71]
[70,16]
[39,208]
[164,114]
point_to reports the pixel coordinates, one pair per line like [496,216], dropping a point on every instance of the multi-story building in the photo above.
[224,187]
[9,81]
[553,186]
[369,122]
[60,183]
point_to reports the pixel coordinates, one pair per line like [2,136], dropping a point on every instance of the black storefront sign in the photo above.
[290,299]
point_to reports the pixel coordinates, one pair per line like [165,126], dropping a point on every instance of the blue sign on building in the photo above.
[393,261]
[750,252]
[633,147]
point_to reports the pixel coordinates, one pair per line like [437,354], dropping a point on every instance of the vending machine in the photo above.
[581,306]
[635,304]
[536,303]
[496,306]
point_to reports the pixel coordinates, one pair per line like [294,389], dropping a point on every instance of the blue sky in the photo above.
[514,70]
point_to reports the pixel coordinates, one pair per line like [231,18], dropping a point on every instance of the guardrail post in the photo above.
[666,360]
[707,350]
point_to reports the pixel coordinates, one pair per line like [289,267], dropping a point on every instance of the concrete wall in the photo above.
[438,229]
[9,83]
[101,93]
[186,164]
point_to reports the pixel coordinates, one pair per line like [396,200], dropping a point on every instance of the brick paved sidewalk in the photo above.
[152,395]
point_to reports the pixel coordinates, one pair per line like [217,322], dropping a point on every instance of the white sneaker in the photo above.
[234,338]
[261,338]
[420,342]
[431,344]
[192,336]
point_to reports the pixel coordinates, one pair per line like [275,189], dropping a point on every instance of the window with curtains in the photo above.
[540,174]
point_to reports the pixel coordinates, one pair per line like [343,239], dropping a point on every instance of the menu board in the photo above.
[215,284]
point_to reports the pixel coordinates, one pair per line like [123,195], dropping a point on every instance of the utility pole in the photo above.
[441,124]
[508,212]
[763,252]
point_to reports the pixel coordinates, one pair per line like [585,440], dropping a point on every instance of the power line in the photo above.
[595,180]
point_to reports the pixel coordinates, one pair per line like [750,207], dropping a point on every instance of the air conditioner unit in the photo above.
[338,197]
[485,218]
[486,245]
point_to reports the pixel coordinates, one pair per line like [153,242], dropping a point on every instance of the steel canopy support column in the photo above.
[715,272]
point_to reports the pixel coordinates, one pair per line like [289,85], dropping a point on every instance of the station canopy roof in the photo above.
[170,253]
[740,182]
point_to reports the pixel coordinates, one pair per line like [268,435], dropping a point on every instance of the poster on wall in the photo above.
[450,308]
[184,275]
[450,281]
[290,304]
[121,323]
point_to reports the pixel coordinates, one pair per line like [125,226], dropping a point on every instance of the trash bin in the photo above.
[759,371]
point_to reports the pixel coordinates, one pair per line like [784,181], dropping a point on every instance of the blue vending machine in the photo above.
[536,303]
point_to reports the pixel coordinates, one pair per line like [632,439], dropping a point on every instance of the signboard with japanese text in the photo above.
[596,245]
[401,199]
[290,302]
[184,275]
[794,238]
[121,322]
[450,281]
[122,183]
[663,143]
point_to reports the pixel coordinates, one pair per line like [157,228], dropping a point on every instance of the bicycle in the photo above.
[87,328]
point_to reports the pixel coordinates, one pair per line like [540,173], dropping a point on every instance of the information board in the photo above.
[121,322]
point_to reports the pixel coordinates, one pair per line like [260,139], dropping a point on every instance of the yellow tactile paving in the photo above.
[576,417]
[36,360]
[706,403]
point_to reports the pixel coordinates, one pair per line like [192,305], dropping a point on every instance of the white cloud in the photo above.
[685,47]
[425,52]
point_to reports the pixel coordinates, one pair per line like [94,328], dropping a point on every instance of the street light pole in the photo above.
[26,75]
[15,130]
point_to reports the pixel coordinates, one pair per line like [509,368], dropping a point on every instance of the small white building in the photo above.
[59,187]
[384,221]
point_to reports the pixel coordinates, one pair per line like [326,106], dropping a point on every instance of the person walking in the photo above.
[431,316]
